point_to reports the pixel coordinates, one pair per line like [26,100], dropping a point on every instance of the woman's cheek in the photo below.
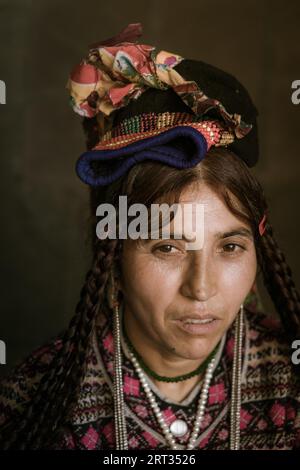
[240,271]
[146,276]
[159,275]
[235,282]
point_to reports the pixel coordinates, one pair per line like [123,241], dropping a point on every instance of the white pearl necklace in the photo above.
[159,416]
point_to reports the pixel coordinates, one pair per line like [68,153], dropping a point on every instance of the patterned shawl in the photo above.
[270,411]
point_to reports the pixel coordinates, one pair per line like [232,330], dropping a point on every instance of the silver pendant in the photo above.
[178,428]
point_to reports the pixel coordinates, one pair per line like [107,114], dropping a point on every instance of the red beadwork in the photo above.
[151,124]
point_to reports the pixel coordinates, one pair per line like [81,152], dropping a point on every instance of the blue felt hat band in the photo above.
[102,167]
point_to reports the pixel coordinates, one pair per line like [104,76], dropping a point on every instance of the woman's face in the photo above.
[169,290]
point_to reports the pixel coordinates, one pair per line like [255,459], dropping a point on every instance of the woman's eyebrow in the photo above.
[243,231]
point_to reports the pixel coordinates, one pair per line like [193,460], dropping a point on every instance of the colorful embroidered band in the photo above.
[159,142]
[151,124]
[117,71]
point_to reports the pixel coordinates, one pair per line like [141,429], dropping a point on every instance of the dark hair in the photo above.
[226,174]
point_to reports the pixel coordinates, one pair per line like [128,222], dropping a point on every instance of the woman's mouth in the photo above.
[198,326]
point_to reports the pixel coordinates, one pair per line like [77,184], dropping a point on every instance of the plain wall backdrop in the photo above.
[44,206]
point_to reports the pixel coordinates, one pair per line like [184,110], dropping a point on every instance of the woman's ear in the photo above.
[113,286]
[110,291]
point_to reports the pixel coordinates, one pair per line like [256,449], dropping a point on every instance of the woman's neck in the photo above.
[177,391]
[163,363]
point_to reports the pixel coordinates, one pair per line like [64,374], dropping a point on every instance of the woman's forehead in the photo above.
[209,199]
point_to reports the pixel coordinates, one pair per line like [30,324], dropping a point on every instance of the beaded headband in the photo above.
[124,147]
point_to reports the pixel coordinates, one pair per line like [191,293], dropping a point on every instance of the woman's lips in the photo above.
[198,326]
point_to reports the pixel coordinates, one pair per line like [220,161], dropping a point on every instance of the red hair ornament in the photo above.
[262,225]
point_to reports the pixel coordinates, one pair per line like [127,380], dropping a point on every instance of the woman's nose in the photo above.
[200,280]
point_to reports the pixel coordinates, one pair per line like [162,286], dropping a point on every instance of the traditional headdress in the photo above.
[207,107]
[210,108]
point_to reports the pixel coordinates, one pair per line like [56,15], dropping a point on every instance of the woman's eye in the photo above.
[232,248]
[166,249]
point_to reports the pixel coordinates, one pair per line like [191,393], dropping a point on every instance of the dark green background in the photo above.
[44,207]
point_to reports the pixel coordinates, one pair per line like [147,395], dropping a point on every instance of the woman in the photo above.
[169,347]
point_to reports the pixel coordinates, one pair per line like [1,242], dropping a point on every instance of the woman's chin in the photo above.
[195,348]
[193,351]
